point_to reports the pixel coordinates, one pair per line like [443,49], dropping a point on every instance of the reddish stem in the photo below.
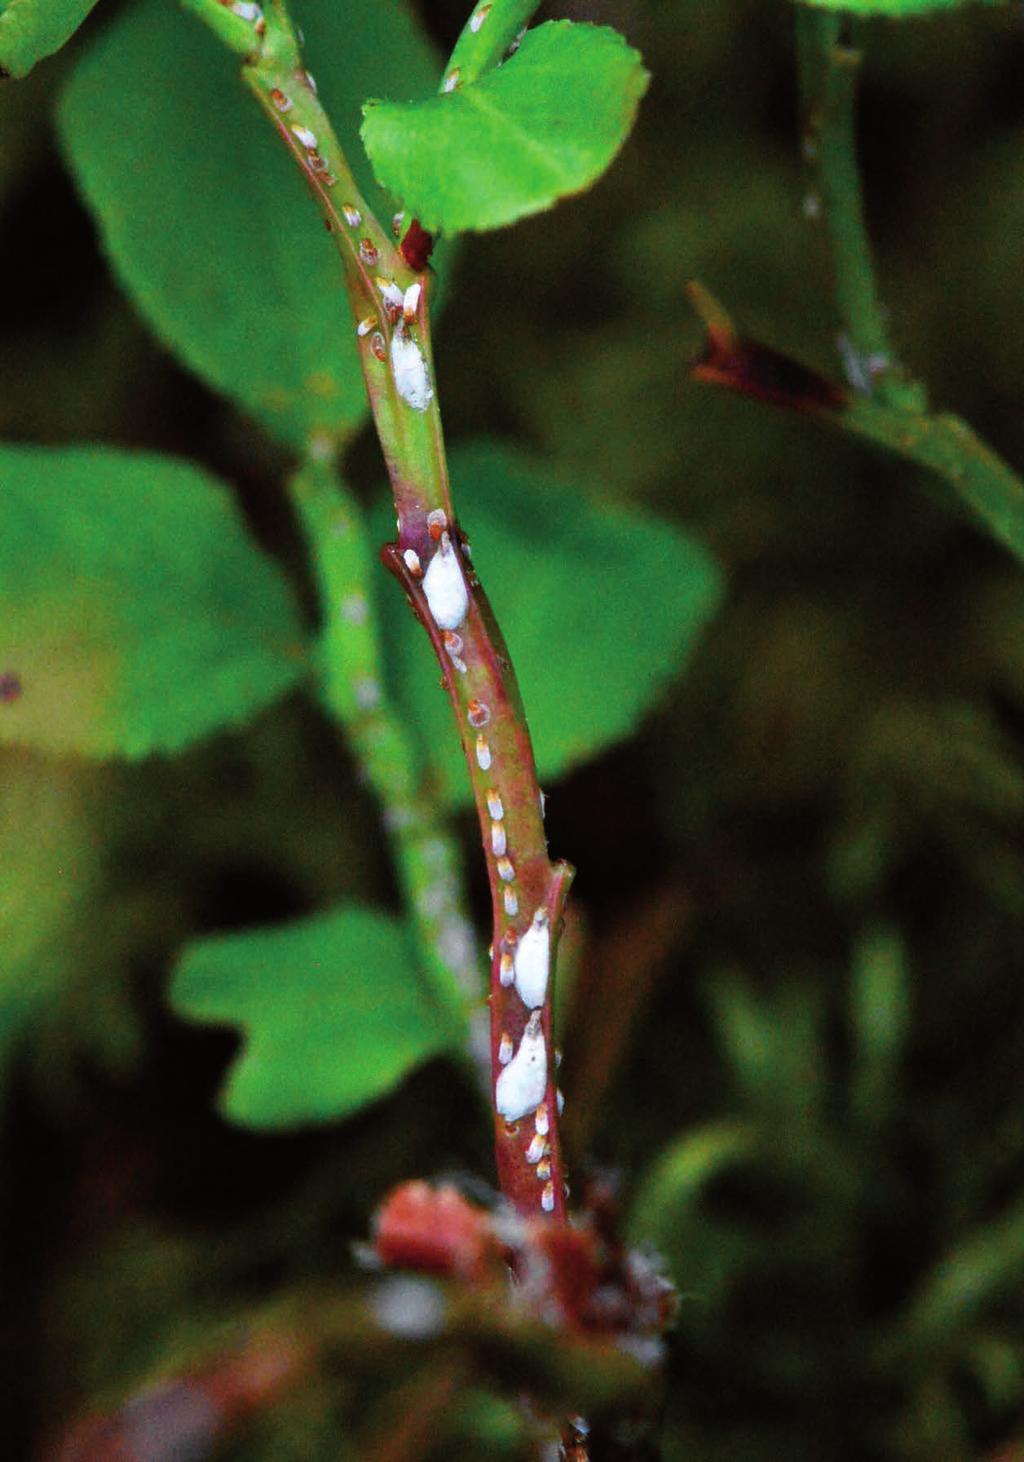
[480,682]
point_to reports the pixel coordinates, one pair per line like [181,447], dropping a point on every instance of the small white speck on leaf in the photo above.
[368,693]
[354,608]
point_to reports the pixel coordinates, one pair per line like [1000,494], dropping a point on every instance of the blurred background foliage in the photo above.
[796,1026]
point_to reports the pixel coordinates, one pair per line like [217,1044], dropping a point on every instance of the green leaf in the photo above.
[776,1048]
[31,30]
[670,1210]
[135,614]
[879,1017]
[672,1189]
[544,125]
[895,9]
[49,851]
[332,1011]
[205,217]
[600,608]
[980,1271]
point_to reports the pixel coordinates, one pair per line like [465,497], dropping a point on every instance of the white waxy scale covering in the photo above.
[520,1088]
[412,380]
[533,961]
[444,586]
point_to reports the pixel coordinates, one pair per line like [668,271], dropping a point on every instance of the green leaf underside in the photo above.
[331,1009]
[600,608]
[544,125]
[204,215]
[895,9]
[135,614]
[31,30]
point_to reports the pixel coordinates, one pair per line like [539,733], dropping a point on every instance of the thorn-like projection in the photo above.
[444,585]
[519,1089]
[533,961]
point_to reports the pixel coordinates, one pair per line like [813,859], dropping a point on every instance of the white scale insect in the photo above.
[532,962]
[520,1087]
[409,369]
[443,584]
[408,366]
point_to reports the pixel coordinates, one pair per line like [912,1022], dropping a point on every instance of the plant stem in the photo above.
[490,31]
[423,850]
[431,558]
[829,67]
[944,444]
